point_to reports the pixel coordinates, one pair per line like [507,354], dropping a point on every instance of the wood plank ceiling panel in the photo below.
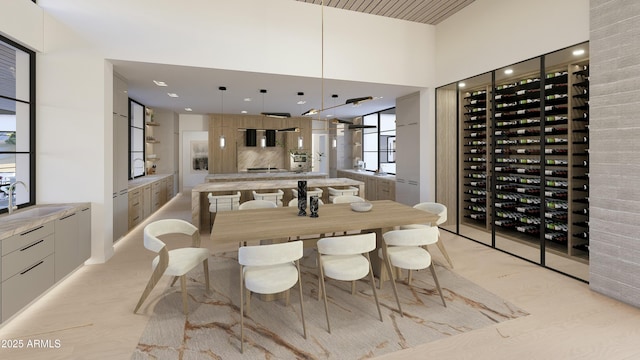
[423,11]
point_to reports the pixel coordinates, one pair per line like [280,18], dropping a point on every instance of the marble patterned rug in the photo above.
[274,331]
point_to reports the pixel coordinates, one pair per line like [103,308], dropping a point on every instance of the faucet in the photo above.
[12,187]
[133,165]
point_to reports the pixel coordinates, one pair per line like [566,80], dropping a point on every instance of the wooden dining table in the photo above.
[234,227]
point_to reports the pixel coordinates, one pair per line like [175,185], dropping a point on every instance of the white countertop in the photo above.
[264,175]
[144,180]
[17,222]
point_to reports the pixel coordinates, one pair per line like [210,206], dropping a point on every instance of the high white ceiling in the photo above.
[198,87]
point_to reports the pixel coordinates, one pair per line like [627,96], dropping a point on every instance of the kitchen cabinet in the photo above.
[135,207]
[376,187]
[72,242]
[148,194]
[66,245]
[34,259]
[408,149]
[27,267]
[120,157]
[146,201]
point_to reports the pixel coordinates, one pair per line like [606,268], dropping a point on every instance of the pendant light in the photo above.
[222,139]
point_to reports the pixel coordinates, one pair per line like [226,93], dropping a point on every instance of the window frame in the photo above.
[32,123]
[381,145]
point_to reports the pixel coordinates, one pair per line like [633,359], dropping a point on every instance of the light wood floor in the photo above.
[90,312]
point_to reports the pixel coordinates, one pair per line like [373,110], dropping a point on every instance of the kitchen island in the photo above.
[199,192]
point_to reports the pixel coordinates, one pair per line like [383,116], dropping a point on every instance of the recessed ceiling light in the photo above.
[329,115]
[302,102]
[160,83]
[243,111]
[508,71]
[578,52]
[462,84]
[188,109]
[172,94]
[247,99]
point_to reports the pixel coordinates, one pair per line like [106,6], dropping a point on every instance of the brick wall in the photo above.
[615,149]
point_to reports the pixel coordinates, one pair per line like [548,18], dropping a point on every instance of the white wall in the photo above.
[489,34]
[22,21]
[74,136]
[275,36]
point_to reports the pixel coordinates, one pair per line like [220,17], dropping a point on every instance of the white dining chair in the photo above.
[404,249]
[177,262]
[441,211]
[269,269]
[223,203]
[257,204]
[346,258]
[347,199]
[333,192]
[276,197]
[294,202]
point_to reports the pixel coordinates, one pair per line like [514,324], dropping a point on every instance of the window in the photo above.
[136,139]
[379,141]
[17,123]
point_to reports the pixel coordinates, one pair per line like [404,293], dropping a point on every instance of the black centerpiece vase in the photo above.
[302,198]
[313,206]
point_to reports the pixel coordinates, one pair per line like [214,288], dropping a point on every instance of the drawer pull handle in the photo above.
[32,245]
[32,230]
[31,268]
[68,216]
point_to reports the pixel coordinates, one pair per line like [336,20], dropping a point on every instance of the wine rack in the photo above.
[579,191]
[526,159]
[475,162]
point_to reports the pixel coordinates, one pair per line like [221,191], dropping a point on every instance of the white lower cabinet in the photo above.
[34,260]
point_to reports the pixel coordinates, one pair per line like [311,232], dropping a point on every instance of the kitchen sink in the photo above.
[34,213]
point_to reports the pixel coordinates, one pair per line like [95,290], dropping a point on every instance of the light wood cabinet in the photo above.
[135,207]
[147,198]
[376,187]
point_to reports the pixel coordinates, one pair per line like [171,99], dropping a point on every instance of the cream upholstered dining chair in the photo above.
[269,269]
[333,192]
[257,204]
[342,199]
[294,202]
[346,258]
[441,211]
[276,197]
[223,203]
[404,249]
[177,262]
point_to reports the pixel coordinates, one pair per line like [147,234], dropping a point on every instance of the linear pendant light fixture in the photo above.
[222,139]
[278,115]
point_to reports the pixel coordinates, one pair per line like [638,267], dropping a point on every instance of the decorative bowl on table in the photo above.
[361,206]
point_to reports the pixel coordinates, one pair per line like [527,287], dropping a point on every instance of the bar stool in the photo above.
[333,192]
[223,203]
[275,197]
[315,192]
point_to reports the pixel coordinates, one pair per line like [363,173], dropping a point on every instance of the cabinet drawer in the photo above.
[23,258]
[18,241]
[26,285]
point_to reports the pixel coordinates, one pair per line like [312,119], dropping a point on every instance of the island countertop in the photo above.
[276,175]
